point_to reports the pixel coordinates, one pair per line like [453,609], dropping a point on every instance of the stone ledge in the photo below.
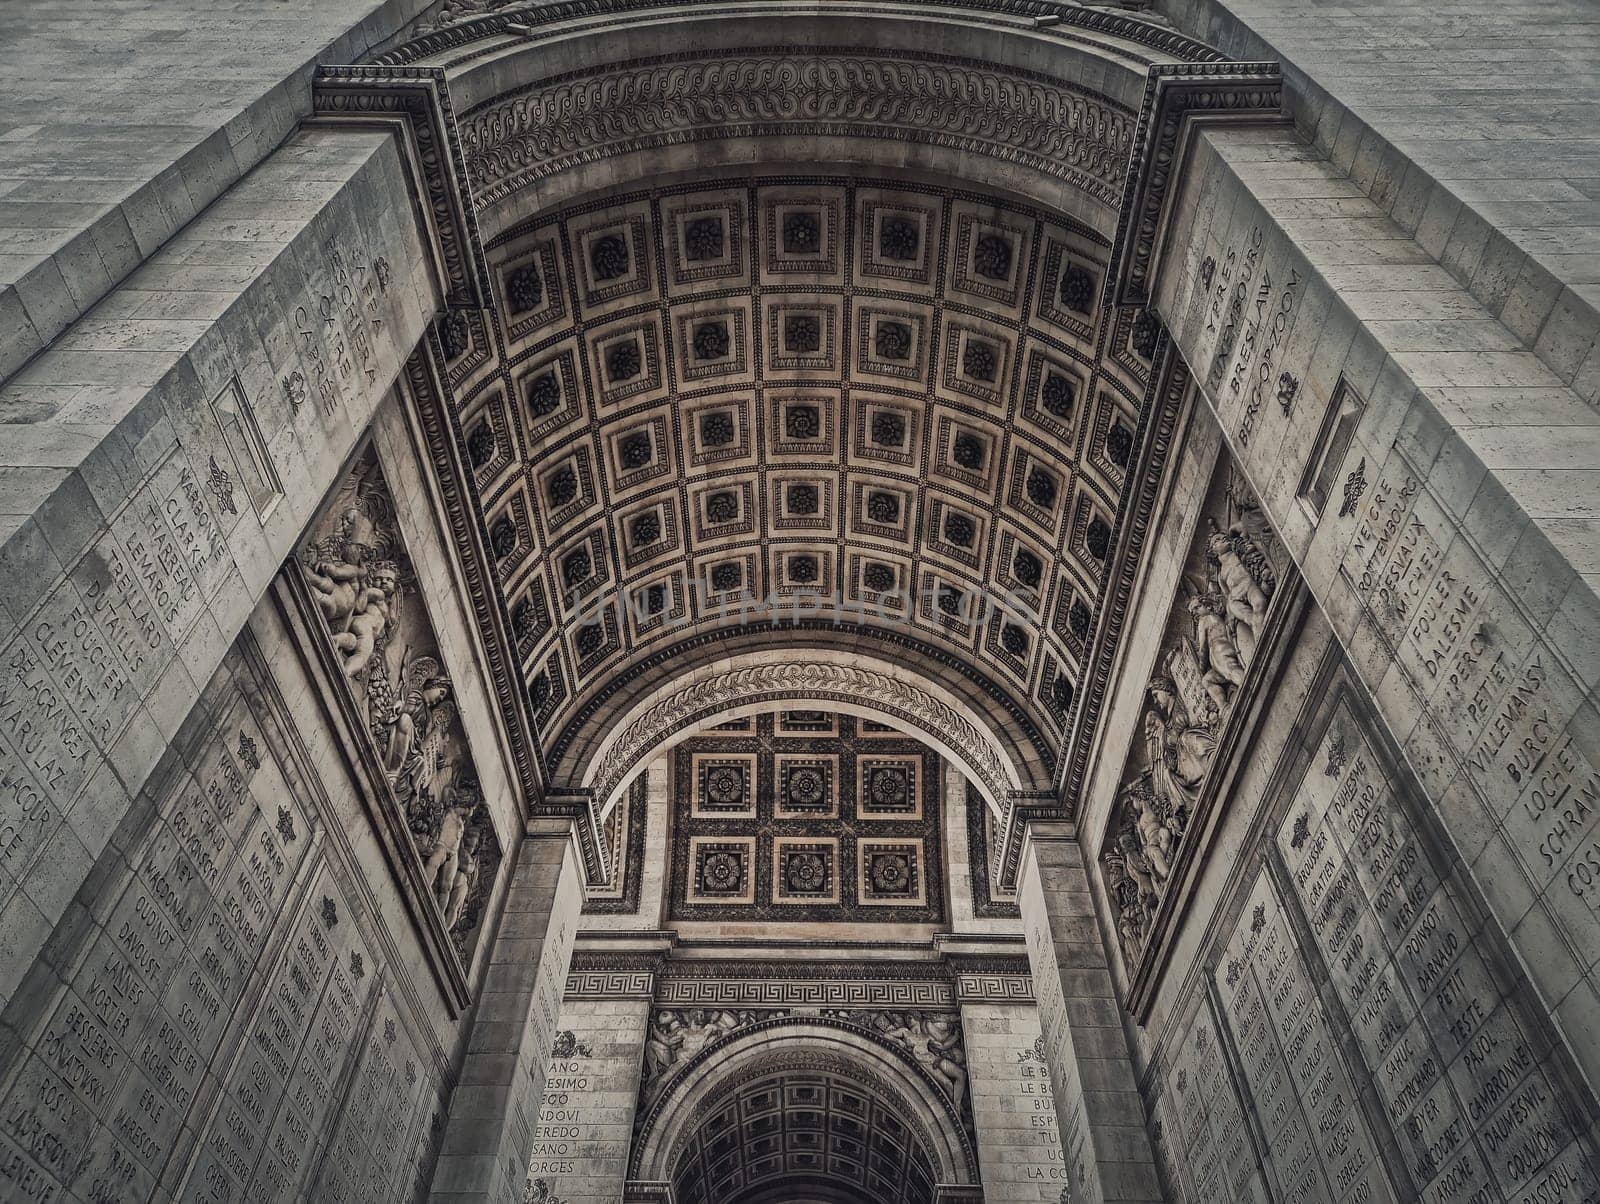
[108,157]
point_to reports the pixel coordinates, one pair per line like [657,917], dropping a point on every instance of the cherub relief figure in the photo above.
[466,877]
[1213,635]
[1219,657]
[944,1053]
[349,573]
[439,871]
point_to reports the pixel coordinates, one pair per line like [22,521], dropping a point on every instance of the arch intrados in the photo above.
[1099,58]
[790,1044]
[733,687]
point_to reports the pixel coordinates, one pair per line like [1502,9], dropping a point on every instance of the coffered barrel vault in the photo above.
[797,602]
[867,398]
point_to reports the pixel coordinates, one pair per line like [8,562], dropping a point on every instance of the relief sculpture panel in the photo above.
[1364,1011]
[363,583]
[1217,623]
[188,1039]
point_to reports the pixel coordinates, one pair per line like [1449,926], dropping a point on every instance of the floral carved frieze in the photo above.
[362,581]
[1034,122]
[1214,630]
[816,680]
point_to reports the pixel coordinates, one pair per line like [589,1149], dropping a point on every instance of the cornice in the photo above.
[535,21]
[1050,126]
[1178,98]
[458,495]
[1158,424]
[414,102]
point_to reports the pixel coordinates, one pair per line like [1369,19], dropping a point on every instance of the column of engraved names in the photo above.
[1495,694]
[268,1119]
[373,1151]
[1319,1143]
[1475,1116]
[75,672]
[120,1059]
[298,1132]
[1202,1138]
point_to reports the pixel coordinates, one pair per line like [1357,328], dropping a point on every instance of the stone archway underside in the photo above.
[896,375]
[864,688]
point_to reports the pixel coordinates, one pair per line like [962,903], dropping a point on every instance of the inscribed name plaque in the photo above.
[1198,1126]
[1312,1121]
[1461,1073]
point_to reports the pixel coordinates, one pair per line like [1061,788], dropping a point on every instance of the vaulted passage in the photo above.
[647,602]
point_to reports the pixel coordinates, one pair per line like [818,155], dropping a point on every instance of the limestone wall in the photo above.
[225,1012]
[586,1117]
[1337,1012]
[1019,1146]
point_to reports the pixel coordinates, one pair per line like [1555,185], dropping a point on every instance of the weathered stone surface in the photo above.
[125,582]
[122,126]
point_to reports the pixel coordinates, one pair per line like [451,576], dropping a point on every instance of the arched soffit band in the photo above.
[731,687]
[566,100]
[791,1044]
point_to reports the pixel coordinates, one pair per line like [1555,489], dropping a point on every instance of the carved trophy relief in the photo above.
[365,587]
[1213,631]
[933,1040]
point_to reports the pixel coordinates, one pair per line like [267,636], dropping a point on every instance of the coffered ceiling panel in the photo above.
[910,400]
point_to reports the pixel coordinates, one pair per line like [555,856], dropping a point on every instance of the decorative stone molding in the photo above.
[1070,135]
[1021,807]
[806,987]
[463,22]
[612,976]
[996,979]
[414,102]
[423,389]
[816,680]
[1158,424]
[1177,98]
[732,1047]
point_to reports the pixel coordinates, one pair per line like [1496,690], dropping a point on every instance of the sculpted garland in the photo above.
[361,580]
[1213,633]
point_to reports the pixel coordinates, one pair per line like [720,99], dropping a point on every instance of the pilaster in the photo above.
[1097,1103]
[1013,1109]
[494,1123]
